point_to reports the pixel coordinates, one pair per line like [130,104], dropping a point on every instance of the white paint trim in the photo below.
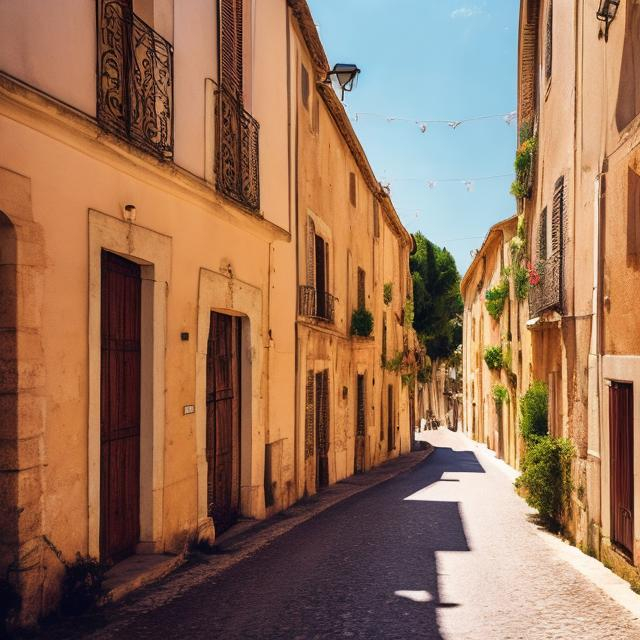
[153,251]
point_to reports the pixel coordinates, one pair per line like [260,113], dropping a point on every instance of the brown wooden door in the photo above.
[391,430]
[621,448]
[223,420]
[360,424]
[322,429]
[120,408]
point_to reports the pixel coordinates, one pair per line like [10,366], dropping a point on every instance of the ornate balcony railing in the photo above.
[312,305]
[547,294]
[237,153]
[135,79]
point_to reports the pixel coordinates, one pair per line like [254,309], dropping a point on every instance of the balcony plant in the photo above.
[523,163]
[493,357]
[361,322]
[409,313]
[387,294]
[497,296]
[500,394]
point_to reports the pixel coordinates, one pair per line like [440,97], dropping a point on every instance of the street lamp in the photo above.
[345,75]
[606,13]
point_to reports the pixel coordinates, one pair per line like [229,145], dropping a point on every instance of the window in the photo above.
[135,79]
[322,277]
[237,153]
[557,217]
[376,218]
[548,51]
[315,115]
[384,338]
[304,86]
[309,416]
[314,298]
[361,288]
[352,188]
[633,214]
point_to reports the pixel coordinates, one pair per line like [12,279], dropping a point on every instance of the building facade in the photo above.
[153,227]
[490,394]
[578,201]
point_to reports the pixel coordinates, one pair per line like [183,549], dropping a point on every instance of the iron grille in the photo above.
[237,154]
[314,304]
[135,79]
[547,294]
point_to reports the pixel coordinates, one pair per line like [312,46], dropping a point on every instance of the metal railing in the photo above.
[135,79]
[314,304]
[547,294]
[237,152]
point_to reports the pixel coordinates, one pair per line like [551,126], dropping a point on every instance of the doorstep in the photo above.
[137,571]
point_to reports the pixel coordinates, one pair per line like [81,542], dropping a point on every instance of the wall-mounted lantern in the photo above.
[606,13]
[345,75]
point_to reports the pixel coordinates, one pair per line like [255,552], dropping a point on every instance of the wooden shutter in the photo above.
[304,86]
[542,236]
[309,415]
[352,188]
[311,252]
[529,62]
[548,50]
[230,46]
[384,338]
[360,424]
[322,411]
[557,216]
[376,219]
[633,214]
[361,288]
[391,432]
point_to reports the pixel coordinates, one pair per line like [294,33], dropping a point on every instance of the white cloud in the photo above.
[465,12]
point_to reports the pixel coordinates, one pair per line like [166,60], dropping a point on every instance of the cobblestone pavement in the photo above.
[443,551]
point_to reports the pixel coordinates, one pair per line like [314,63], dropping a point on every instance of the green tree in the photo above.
[437,300]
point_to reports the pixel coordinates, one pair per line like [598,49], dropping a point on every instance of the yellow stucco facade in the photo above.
[209,241]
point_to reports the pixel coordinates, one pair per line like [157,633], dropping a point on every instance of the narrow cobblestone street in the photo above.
[446,550]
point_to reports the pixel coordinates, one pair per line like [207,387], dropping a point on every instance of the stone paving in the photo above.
[445,550]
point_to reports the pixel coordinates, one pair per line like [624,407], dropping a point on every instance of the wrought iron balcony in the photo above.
[314,304]
[135,79]
[547,294]
[237,153]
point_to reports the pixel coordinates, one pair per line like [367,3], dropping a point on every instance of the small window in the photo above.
[315,115]
[376,218]
[361,288]
[352,188]
[548,51]
[633,214]
[304,86]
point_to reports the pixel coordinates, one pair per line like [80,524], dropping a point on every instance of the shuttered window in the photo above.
[384,338]
[391,432]
[352,188]
[230,43]
[376,218]
[304,86]
[311,252]
[548,50]
[361,288]
[360,425]
[542,236]
[633,214]
[557,216]
[309,416]
[322,412]
[529,62]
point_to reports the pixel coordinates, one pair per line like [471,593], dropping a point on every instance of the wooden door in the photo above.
[223,420]
[391,431]
[322,429]
[360,424]
[119,408]
[621,458]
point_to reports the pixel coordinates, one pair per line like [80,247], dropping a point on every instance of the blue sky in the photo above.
[431,60]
